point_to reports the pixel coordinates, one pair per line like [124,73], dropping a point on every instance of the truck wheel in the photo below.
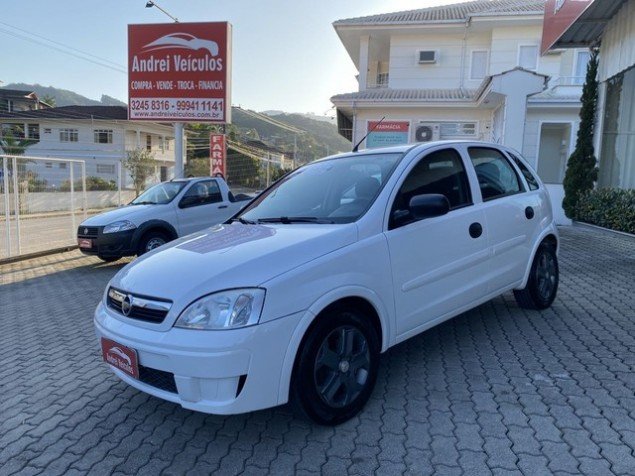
[108,259]
[542,285]
[336,367]
[150,241]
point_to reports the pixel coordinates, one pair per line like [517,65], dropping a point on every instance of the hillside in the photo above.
[64,97]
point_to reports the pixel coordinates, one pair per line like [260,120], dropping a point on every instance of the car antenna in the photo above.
[373,128]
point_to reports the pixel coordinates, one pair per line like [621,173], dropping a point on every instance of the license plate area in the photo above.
[85,243]
[121,357]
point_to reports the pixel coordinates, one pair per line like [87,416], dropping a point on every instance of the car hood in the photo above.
[123,213]
[229,256]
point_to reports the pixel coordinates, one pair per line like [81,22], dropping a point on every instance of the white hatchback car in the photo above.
[297,295]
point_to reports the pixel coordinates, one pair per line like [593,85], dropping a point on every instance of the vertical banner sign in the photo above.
[387,133]
[217,155]
[179,72]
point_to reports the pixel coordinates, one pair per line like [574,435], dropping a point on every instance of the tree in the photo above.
[582,171]
[13,142]
[141,165]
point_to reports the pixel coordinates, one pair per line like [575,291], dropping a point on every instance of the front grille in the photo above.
[142,308]
[157,378]
[88,231]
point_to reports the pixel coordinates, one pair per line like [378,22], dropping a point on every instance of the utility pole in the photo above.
[178,126]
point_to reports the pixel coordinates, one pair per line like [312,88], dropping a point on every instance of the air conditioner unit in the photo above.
[427,56]
[427,132]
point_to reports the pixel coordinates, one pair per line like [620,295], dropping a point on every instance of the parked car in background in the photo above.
[297,295]
[160,214]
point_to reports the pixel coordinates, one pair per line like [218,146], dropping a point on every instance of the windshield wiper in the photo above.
[288,220]
[242,220]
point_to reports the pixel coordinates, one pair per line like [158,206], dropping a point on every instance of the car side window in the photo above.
[496,176]
[440,172]
[529,177]
[201,193]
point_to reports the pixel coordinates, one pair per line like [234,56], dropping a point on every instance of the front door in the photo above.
[200,207]
[440,264]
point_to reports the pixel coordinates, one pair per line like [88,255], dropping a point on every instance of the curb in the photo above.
[601,228]
[37,254]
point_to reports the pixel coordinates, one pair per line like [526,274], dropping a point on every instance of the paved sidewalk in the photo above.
[496,390]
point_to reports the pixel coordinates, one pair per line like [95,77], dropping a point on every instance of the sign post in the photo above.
[179,72]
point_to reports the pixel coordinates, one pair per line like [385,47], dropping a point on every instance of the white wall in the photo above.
[437,114]
[617,52]
[42,202]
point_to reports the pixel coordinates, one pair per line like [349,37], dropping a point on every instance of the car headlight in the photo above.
[229,309]
[116,226]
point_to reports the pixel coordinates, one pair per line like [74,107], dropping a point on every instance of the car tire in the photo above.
[150,241]
[336,367]
[542,284]
[108,259]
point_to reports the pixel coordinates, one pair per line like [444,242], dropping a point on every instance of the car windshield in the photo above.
[159,194]
[337,190]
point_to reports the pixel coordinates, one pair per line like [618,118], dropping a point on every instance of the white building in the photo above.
[609,24]
[99,135]
[470,70]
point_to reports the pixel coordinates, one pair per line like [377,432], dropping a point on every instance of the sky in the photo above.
[286,54]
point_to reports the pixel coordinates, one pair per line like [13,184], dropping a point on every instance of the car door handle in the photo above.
[476,230]
[223,206]
[529,213]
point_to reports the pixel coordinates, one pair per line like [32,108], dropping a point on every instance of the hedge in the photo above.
[608,207]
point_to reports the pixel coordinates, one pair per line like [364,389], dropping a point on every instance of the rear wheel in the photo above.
[109,259]
[336,368]
[542,284]
[150,241]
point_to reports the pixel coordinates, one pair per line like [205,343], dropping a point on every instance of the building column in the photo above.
[363,62]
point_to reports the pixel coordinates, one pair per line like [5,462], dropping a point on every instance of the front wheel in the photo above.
[150,241]
[337,367]
[542,284]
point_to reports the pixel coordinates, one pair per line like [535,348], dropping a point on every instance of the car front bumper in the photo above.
[219,372]
[109,244]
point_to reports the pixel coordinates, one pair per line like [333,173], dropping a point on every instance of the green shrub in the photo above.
[92,183]
[608,207]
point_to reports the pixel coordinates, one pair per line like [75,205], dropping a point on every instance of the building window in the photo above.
[48,165]
[453,130]
[106,169]
[581,61]
[528,56]
[47,130]
[33,131]
[617,157]
[62,165]
[149,143]
[103,136]
[478,68]
[69,135]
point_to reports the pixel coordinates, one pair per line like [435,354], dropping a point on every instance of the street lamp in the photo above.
[151,4]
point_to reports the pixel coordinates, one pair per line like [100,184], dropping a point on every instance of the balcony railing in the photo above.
[381,81]
[567,81]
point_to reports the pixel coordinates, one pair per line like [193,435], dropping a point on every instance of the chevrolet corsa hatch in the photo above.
[296,296]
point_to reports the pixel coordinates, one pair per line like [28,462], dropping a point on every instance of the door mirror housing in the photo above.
[428,206]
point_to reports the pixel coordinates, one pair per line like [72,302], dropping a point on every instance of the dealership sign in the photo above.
[559,16]
[386,133]
[217,155]
[179,72]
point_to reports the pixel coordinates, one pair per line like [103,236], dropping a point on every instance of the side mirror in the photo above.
[428,206]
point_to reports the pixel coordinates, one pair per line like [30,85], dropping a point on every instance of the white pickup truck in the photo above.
[160,214]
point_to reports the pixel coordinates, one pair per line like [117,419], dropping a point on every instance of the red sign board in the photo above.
[217,155]
[559,16]
[179,72]
[121,357]
[389,126]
